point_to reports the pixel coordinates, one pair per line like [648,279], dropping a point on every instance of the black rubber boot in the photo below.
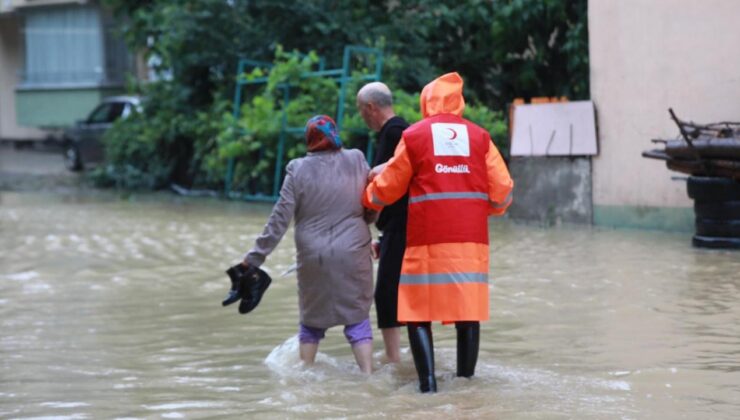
[422,347]
[468,338]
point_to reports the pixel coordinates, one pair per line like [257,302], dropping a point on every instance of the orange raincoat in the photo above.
[455,177]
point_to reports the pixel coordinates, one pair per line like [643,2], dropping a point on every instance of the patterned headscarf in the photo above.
[321,134]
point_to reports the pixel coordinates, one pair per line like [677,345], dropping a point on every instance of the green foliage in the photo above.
[198,41]
[167,142]
[262,118]
[252,141]
[132,160]
[540,48]
[170,141]
[502,48]
[264,113]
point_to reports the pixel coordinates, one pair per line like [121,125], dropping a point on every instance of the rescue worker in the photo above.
[455,177]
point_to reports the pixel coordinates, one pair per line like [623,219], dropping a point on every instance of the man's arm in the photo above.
[392,182]
[500,184]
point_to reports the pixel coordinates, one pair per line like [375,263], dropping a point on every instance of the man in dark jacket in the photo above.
[375,103]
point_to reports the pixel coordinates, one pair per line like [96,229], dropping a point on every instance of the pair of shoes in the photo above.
[248,284]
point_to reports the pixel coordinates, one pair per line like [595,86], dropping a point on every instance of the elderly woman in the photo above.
[335,286]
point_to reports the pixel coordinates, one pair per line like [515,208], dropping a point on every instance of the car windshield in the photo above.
[106,113]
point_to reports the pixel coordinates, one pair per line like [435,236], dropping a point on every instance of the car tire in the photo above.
[72,158]
[713,189]
[715,243]
[718,228]
[719,210]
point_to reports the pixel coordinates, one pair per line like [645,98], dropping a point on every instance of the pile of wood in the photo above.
[711,155]
[702,149]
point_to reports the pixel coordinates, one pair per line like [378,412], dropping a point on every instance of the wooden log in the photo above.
[713,167]
[705,147]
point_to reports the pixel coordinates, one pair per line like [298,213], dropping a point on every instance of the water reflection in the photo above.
[110,308]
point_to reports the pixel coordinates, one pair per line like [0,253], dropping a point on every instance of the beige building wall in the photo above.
[11,60]
[647,56]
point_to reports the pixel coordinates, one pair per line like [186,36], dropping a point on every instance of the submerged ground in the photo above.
[110,308]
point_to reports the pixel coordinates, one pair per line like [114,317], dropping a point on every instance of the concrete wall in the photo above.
[551,190]
[647,56]
[11,60]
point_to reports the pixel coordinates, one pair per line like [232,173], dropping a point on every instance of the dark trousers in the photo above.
[392,247]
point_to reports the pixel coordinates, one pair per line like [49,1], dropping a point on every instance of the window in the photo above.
[70,45]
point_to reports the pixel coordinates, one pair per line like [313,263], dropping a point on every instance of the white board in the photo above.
[554,129]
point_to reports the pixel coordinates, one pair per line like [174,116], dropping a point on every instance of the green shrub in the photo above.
[173,142]
[165,143]
[406,105]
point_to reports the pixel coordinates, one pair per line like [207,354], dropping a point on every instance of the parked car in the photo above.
[82,142]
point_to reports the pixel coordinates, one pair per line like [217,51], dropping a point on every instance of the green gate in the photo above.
[341,75]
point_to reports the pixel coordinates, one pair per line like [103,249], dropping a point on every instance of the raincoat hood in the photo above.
[443,95]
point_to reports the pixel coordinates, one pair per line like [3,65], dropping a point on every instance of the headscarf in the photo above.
[321,134]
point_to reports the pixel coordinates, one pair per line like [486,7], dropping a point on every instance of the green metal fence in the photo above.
[343,76]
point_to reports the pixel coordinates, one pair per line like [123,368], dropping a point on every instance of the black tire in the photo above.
[718,210]
[72,158]
[718,228]
[716,243]
[713,189]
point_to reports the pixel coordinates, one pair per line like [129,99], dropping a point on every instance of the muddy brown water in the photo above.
[110,308]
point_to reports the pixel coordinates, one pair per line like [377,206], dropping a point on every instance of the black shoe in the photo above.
[422,348]
[235,273]
[247,284]
[232,297]
[255,284]
[468,339]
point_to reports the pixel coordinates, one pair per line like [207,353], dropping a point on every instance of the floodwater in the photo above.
[110,308]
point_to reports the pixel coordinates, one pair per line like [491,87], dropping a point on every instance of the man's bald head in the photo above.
[376,93]
[375,103]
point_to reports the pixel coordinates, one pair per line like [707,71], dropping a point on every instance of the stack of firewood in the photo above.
[710,153]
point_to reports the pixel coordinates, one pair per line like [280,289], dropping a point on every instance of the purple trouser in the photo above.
[355,333]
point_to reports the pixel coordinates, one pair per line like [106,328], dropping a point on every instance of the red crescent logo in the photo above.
[454,134]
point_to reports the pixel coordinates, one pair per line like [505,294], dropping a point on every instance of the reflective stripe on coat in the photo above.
[456,178]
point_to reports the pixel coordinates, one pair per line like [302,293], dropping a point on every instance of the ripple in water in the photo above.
[111,309]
